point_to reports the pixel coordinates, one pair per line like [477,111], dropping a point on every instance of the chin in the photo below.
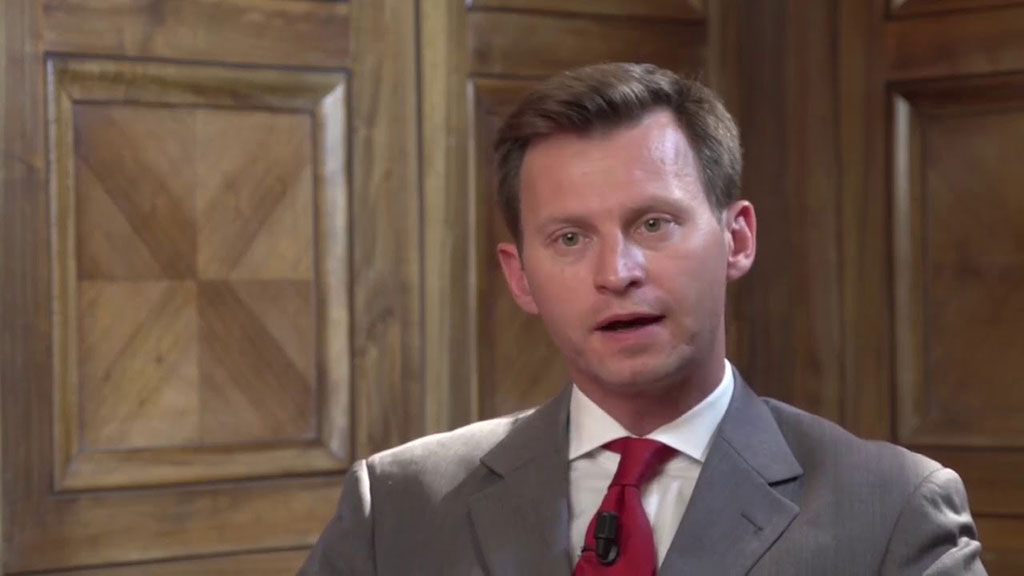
[648,378]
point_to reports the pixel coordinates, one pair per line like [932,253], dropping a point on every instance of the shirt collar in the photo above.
[590,427]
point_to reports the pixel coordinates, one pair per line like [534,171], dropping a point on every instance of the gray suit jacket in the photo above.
[781,492]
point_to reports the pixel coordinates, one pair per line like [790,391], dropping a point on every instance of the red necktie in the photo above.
[641,459]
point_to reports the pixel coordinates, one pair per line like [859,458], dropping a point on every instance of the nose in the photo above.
[620,267]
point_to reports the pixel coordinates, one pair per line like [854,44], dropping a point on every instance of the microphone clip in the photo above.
[606,535]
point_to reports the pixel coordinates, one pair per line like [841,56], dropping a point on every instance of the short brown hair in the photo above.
[610,96]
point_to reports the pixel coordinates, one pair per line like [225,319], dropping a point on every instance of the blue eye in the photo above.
[569,239]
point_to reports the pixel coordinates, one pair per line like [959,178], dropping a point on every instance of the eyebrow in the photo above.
[655,205]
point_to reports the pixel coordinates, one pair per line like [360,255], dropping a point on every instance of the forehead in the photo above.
[573,167]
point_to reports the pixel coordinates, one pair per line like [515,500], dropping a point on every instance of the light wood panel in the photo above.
[519,365]
[449,249]
[497,45]
[135,201]
[176,102]
[258,32]
[275,563]
[386,228]
[662,9]
[152,134]
[173,377]
[138,374]
[144,526]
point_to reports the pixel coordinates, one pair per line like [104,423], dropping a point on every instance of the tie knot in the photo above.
[641,458]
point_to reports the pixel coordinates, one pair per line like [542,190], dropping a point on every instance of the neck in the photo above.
[643,411]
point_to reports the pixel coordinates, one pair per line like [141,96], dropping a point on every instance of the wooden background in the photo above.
[244,242]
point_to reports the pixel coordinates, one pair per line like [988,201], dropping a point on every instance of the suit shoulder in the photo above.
[823,446]
[459,449]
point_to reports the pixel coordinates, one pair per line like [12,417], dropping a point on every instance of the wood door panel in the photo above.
[138,375]
[959,233]
[662,9]
[142,526]
[260,32]
[901,8]
[942,92]
[955,44]
[219,348]
[992,476]
[277,563]
[513,376]
[132,165]
[1002,545]
[185,255]
[253,218]
[556,43]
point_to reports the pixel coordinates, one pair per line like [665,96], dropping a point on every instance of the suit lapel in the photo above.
[735,513]
[522,520]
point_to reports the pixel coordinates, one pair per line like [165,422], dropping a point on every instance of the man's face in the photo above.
[623,257]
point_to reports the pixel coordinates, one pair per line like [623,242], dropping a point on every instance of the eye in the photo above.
[652,225]
[569,239]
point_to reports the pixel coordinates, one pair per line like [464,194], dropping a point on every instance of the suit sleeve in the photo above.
[346,547]
[935,534]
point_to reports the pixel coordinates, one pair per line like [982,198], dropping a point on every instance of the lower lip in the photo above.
[639,335]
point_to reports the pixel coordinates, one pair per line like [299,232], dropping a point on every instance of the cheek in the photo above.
[555,289]
[565,301]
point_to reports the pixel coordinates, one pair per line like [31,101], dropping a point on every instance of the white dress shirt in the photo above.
[665,497]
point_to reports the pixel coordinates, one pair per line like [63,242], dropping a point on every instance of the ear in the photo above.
[740,225]
[515,276]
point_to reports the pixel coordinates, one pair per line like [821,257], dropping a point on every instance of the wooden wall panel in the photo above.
[661,9]
[784,317]
[932,262]
[519,365]
[959,233]
[277,563]
[150,355]
[958,272]
[144,526]
[450,354]
[911,8]
[955,44]
[386,228]
[260,32]
[559,43]
[200,335]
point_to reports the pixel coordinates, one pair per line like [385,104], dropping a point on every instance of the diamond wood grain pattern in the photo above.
[188,249]
[135,169]
[139,376]
[256,361]
[255,207]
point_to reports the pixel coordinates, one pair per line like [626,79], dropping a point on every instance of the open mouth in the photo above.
[629,323]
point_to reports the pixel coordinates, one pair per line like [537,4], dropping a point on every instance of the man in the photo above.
[620,184]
